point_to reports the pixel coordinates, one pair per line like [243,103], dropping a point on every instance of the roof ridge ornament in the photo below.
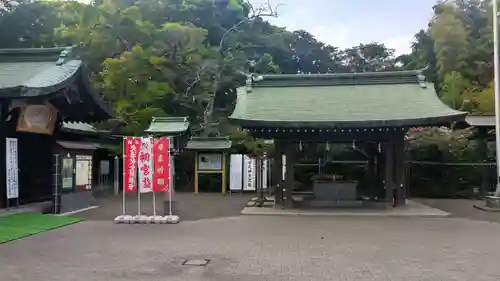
[252,77]
[65,56]
[421,80]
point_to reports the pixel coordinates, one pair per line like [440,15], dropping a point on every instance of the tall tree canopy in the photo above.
[457,47]
[187,57]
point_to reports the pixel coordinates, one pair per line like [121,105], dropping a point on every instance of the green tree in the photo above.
[450,40]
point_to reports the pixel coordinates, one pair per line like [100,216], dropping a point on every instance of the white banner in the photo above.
[12,178]
[283,166]
[145,166]
[236,172]
[265,170]
[249,173]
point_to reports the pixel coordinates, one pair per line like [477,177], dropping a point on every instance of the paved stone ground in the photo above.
[248,248]
[189,206]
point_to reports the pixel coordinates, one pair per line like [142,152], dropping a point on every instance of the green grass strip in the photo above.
[20,225]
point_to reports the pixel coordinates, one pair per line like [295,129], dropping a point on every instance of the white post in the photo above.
[171,218]
[153,171]
[497,92]
[123,177]
[170,174]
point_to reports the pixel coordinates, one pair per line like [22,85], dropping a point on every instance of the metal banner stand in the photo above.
[123,218]
[171,218]
[140,218]
[155,219]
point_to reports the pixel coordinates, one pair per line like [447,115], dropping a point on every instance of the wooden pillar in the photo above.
[289,176]
[371,171]
[196,173]
[223,174]
[380,175]
[389,169]
[277,172]
[399,170]
[4,111]
[483,152]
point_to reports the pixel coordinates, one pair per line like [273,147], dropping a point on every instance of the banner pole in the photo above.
[123,177]
[170,176]
[138,184]
[153,172]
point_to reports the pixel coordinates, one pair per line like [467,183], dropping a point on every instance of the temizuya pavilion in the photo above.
[367,109]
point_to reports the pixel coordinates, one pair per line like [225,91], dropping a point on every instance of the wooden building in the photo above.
[39,90]
[370,110]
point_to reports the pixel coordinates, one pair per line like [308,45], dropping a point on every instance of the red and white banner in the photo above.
[131,150]
[146,165]
[161,165]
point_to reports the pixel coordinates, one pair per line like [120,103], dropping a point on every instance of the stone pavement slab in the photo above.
[261,248]
[412,209]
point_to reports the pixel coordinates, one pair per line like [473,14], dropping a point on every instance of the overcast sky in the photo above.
[346,23]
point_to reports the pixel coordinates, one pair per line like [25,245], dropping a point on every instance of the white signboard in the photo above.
[236,172]
[210,161]
[12,178]
[249,176]
[145,166]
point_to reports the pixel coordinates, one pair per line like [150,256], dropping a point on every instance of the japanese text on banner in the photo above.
[146,166]
[131,150]
[161,165]
[12,180]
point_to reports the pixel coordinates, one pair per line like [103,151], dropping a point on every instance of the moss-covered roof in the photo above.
[54,74]
[380,99]
[168,125]
[208,143]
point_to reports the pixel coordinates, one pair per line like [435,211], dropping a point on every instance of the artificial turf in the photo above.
[20,225]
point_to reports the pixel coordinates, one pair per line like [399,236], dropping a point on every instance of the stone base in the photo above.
[492,204]
[413,209]
[124,219]
[141,219]
[173,219]
[157,219]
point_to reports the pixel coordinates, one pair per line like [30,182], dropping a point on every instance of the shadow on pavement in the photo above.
[189,206]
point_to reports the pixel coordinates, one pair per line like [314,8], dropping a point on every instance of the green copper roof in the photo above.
[400,98]
[34,72]
[481,120]
[44,72]
[168,125]
[208,143]
[81,127]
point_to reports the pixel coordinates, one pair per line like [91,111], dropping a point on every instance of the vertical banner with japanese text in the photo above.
[12,178]
[146,165]
[161,174]
[131,147]
[249,176]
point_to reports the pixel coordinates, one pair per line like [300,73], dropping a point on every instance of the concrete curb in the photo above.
[487,209]
[78,211]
